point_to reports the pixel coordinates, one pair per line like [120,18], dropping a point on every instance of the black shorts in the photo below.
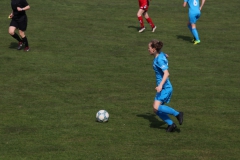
[20,23]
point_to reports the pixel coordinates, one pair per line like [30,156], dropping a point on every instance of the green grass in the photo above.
[87,55]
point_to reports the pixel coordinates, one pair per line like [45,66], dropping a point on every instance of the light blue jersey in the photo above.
[160,64]
[194,10]
[193,6]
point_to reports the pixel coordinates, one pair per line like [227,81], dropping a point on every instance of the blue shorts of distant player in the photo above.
[164,96]
[194,17]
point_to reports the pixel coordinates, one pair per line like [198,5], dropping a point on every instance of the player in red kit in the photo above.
[143,8]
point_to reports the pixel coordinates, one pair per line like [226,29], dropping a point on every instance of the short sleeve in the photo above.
[163,63]
[24,3]
[163,67]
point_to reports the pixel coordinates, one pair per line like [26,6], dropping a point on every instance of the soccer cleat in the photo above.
[171,128]
[193,40]
[141,30]
[20,44]
[154,28]
[26,49]
[180,118]
[196,42]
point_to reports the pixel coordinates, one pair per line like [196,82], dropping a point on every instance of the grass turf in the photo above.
[87,55]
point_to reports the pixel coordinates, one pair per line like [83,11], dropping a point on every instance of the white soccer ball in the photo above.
[102,116]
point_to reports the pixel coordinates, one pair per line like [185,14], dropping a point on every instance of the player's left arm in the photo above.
[24,8]
[165,77]
[185,3]
[203,1]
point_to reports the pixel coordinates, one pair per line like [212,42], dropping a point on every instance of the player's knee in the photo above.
[155,108]
[140,12]
[22,34]
[146,15]
[11,32]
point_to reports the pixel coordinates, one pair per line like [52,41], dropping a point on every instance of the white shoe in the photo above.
[141,30]
[153,30]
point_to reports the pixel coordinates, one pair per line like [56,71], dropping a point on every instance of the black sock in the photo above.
[25,41]
[17,37]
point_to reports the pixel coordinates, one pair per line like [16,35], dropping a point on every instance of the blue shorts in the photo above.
[164,96]
[194,17]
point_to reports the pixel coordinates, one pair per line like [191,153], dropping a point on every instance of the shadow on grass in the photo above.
[154,122]
[185,38]
[152,118]
[137,28]
[13,45]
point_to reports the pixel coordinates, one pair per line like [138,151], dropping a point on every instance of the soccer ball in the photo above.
[102,116]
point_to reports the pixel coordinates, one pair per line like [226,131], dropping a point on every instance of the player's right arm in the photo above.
[10,15]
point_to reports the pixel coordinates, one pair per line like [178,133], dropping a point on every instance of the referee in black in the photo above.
[19,21]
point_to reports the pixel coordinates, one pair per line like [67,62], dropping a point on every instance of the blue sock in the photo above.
[167,110]
[190,28]
[195,34]
[165,118]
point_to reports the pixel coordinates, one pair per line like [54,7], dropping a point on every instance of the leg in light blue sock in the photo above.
[167,110]
[195,34]
[165,118]
[190,28]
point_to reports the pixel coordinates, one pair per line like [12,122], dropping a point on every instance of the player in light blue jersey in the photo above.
[164,87]
[194,14]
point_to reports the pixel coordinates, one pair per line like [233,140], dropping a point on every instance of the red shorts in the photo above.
[143,4]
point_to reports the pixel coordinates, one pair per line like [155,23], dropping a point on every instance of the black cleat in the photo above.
[171,128]
[20,44]
[180,118]
[26,49]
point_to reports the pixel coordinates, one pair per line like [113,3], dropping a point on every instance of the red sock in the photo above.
[149,20]
[141,21]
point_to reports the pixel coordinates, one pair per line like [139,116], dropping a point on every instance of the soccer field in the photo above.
[88,55]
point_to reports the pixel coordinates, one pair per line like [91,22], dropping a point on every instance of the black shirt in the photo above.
[18,3]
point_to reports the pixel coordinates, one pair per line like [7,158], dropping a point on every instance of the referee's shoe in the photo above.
[26,49]
[20,44]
